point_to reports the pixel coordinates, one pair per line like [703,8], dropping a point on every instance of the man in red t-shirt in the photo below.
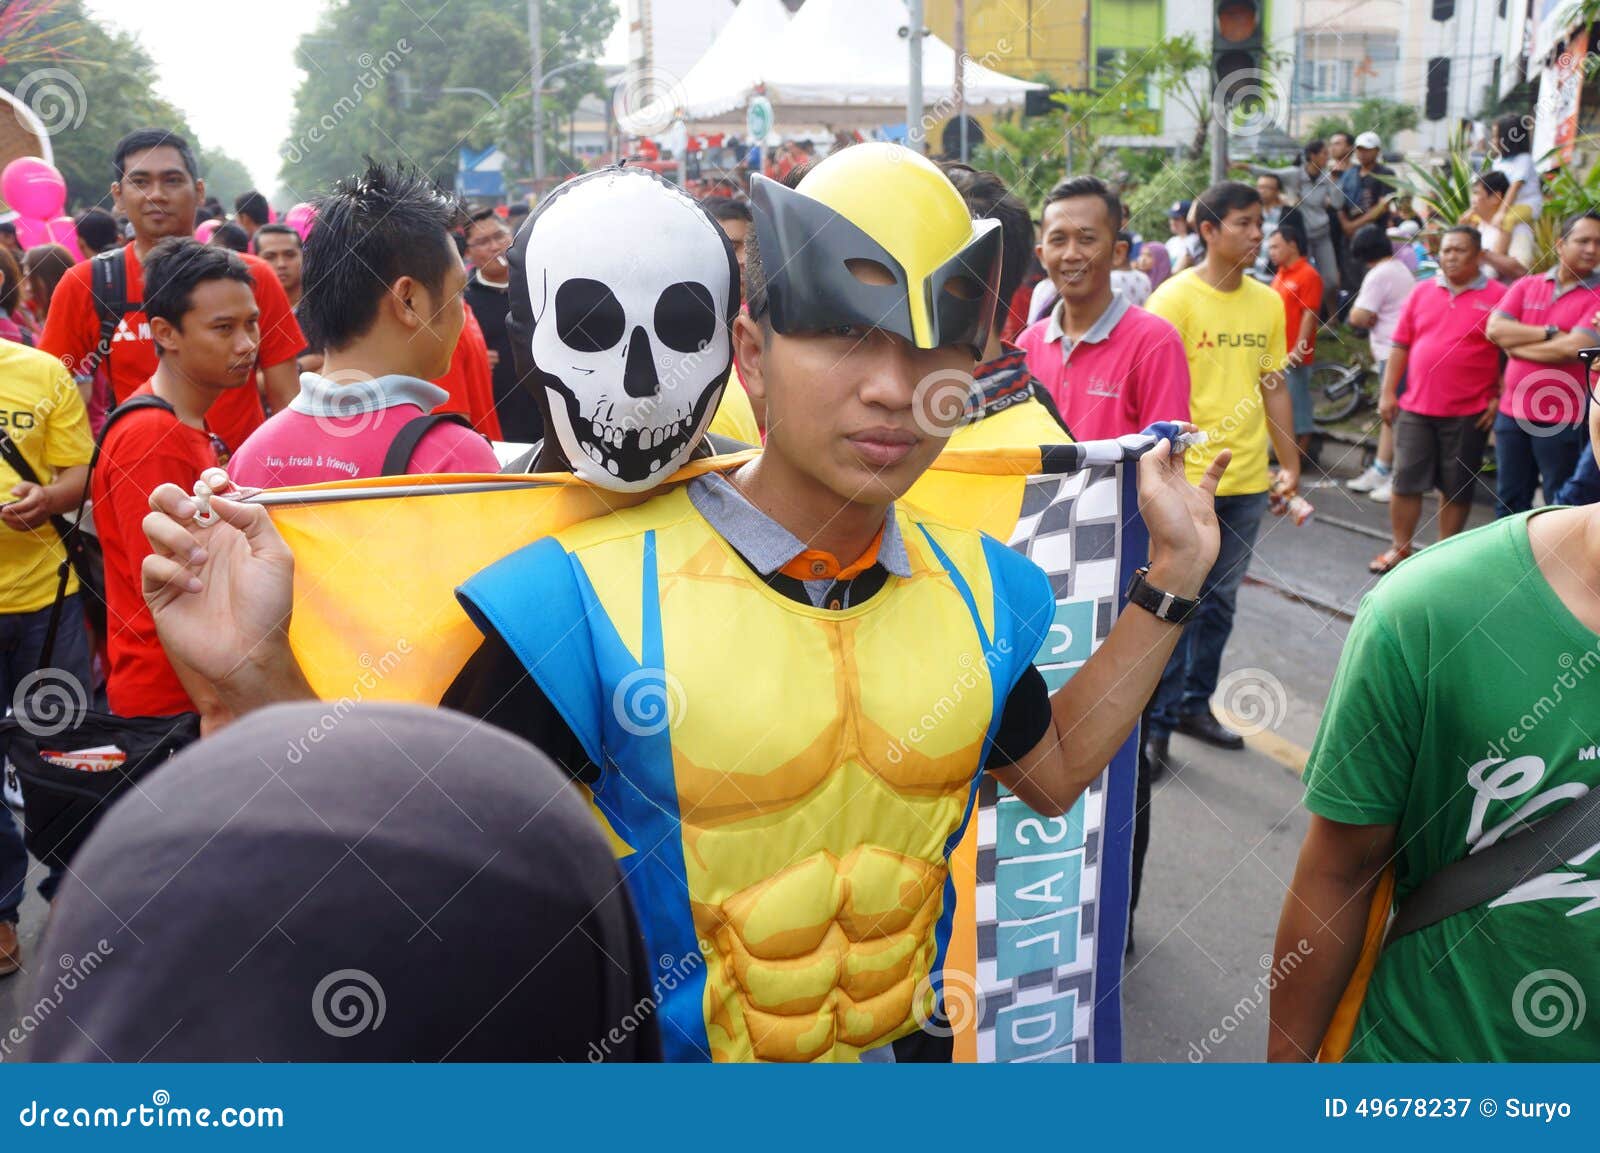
[205,324]
[470,381]
[157,187]
[1300,286]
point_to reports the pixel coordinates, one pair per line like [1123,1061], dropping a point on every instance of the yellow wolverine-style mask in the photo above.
[868,214]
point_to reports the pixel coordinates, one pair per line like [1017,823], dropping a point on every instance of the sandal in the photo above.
[1387,559]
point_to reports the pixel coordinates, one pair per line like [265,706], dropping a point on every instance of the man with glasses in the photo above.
[488,240]
[1541,324]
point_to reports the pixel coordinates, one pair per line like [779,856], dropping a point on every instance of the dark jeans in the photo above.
[1191,675]
[1531,455]
[21,646]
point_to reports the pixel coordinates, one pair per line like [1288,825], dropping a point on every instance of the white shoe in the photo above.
[1368,480]
[1383,492]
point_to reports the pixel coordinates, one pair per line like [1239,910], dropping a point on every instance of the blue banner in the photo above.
[444,1107]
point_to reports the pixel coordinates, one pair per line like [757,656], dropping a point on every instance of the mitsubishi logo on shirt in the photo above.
[1232,340]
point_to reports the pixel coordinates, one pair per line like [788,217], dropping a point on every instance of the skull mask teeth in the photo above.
[630,337]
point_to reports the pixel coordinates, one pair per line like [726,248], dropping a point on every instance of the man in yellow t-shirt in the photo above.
[1233,336]
[42,415]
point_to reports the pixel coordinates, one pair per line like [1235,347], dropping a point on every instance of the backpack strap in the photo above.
[397,461]
[108,284]
[132,404]
[1493,872]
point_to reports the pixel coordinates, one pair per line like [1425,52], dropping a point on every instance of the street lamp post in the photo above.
[536,47]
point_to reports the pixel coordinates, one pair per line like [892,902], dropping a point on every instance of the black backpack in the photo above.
[108,284]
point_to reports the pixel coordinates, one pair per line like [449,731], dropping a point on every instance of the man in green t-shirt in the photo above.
[1467,702]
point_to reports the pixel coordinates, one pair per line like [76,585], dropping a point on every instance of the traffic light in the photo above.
[1236,47]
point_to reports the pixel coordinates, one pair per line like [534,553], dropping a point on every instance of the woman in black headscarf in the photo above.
[375,883]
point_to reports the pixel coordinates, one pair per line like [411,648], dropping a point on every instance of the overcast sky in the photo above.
[235,81]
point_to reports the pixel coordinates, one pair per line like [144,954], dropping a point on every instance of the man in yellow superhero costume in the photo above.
[764,675]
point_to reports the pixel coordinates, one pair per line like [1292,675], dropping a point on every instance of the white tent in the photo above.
[847,52]
[721,81]
[844,63]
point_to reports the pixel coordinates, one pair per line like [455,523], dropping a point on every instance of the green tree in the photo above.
[225,176]
[90,100]
[1388,118]
[376,71]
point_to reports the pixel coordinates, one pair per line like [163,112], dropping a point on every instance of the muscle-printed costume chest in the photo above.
[791,780]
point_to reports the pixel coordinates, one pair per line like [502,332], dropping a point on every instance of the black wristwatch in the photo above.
[1551,332]
[1165,606]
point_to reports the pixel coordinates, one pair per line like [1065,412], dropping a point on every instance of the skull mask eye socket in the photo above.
[686,317]
[588,317]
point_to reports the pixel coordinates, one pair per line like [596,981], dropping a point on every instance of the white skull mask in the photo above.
[631,290]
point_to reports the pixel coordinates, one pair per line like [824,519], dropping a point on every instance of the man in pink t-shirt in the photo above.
[1111,367]
[335,431]
[1542,323]
[382,302]
[1452,374]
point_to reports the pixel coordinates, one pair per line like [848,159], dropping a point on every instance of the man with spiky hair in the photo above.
[382,299]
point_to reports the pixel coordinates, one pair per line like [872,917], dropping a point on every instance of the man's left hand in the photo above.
[1486,421]
[1181,517]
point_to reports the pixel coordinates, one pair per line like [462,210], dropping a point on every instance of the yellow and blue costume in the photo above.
[795,797]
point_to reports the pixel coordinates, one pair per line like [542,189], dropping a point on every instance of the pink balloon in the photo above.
[300,218]
[33,188]
[206,230]
[64,233]
[30,232]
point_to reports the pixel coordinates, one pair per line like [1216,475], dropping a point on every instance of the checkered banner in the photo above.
[1050,895]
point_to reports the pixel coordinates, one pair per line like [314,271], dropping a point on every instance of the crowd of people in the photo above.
[396,333]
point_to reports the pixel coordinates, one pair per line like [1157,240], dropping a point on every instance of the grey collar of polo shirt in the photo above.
[1591,282]
[766,544]
[1099,331]
[322,397]
[1443,281]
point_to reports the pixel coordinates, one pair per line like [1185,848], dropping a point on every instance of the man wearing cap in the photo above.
[796,846]
[1376,187]
[1183,246]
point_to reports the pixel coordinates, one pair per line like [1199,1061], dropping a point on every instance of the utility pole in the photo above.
[914,90]
[536,45]
[961,73]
